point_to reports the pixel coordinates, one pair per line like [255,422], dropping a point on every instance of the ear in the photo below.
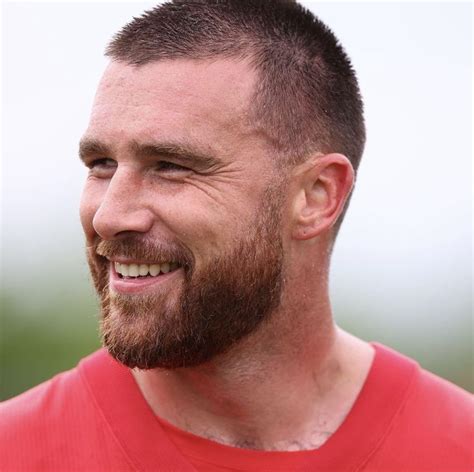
[324,184]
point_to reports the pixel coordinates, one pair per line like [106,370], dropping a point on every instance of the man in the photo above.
[222,150]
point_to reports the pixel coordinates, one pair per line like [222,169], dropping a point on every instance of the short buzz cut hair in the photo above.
[306,98]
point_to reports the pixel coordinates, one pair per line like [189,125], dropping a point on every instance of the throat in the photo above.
[282,408]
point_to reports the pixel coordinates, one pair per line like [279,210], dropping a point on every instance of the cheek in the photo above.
[90,202]
[206,230]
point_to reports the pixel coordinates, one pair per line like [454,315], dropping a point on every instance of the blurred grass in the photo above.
[45,341]
[43,337]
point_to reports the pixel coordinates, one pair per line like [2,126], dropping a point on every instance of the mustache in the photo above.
[144,249]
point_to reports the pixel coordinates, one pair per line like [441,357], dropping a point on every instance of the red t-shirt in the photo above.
[94,418]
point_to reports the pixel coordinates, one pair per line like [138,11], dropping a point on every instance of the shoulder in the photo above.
[442,410]
[433,428]
[433,391]
[42,405]
[53,426]
[36,420]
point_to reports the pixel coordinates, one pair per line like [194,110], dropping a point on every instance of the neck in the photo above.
[309,373]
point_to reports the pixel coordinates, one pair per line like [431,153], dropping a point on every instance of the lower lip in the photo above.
[138,284]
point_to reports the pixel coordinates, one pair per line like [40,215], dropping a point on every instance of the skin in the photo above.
[299,363]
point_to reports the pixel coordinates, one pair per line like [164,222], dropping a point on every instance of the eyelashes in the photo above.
[102,168]
[170,166]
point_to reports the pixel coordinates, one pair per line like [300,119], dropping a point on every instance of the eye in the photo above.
[102,168]
[167,166]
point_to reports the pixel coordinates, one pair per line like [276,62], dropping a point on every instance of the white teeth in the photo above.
[143,269]
[135,270]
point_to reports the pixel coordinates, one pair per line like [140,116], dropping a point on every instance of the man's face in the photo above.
[181,212]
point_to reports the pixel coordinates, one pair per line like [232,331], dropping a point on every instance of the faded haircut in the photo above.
[307,98]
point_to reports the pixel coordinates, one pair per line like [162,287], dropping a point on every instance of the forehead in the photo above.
[202,101]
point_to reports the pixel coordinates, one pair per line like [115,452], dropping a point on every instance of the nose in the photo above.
[123,209]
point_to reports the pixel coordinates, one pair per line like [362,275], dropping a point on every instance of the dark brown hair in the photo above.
[307,98]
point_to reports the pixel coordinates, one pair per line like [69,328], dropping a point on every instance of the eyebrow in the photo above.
[178,151]
[90,147]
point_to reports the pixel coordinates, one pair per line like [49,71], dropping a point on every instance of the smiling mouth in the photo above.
[137,271]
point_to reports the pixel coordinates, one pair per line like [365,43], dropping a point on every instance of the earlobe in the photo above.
[325,183]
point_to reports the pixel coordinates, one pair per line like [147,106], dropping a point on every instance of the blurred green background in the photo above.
[43,338]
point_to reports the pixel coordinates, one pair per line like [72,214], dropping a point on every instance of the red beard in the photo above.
[216,305]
